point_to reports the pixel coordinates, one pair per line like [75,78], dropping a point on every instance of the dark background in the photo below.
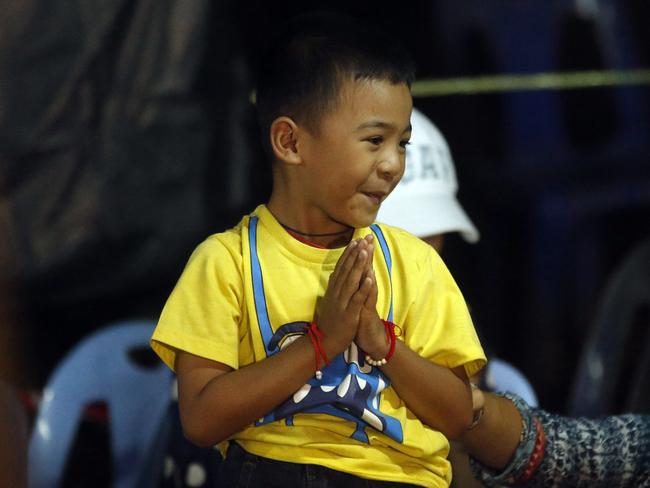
[127,136]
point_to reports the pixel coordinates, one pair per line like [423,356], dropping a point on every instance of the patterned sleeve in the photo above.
[609,452]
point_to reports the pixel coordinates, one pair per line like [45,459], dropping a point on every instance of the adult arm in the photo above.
[612,451]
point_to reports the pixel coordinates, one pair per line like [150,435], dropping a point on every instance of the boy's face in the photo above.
[357,155]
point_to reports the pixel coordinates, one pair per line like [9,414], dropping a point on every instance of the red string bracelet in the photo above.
[537,454]
[391,337]
[316,335]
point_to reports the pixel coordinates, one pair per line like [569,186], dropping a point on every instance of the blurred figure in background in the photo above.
[510,443]
[424,202]
[14,434]
[13,417]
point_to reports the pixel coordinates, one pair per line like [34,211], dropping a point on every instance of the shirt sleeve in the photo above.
[203,312]
[439,326]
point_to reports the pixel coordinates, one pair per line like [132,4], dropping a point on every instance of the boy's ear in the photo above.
[284,140]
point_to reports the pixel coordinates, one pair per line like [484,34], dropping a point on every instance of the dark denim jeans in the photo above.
[244,470]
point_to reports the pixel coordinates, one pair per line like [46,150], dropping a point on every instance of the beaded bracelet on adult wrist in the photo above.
[522,455]
[536,456]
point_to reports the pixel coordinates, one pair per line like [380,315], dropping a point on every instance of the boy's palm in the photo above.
[371,334]
[347,291]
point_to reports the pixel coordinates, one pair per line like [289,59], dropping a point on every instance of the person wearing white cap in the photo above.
[424,202]
[511,442]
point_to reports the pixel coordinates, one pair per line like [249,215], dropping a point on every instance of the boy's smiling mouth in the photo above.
[375,196]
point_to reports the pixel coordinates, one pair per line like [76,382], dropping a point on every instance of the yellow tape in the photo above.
[536,81]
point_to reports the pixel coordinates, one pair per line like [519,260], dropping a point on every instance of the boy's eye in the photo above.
[376,140]
[404,143]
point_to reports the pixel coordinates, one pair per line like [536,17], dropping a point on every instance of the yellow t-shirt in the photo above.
[246,291]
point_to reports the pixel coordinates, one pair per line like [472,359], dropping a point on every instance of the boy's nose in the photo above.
[391,166]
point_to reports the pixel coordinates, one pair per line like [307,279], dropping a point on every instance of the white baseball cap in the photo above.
[424,202]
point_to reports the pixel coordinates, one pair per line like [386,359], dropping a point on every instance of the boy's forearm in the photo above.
[439,397]
[231,401]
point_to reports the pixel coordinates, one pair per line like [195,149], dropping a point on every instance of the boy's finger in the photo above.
[361,295]
[343,264]
[371,300]
[371,255]
[348,262]
[350,283]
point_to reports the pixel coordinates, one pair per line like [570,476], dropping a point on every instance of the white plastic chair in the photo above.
[503,376]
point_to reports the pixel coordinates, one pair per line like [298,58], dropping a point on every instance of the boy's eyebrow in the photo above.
[380,124]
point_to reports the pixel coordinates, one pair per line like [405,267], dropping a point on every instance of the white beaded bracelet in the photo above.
[375,362]
[392,338]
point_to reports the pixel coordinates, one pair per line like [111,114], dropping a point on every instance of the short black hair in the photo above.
[302,69]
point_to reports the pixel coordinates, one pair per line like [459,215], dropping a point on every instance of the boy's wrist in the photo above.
[384,343]
[379,345]
[333,346]
[380,351]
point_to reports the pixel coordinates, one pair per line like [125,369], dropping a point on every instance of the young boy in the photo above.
[281,329]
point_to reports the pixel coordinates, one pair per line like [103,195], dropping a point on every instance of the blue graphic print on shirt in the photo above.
[349,388]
